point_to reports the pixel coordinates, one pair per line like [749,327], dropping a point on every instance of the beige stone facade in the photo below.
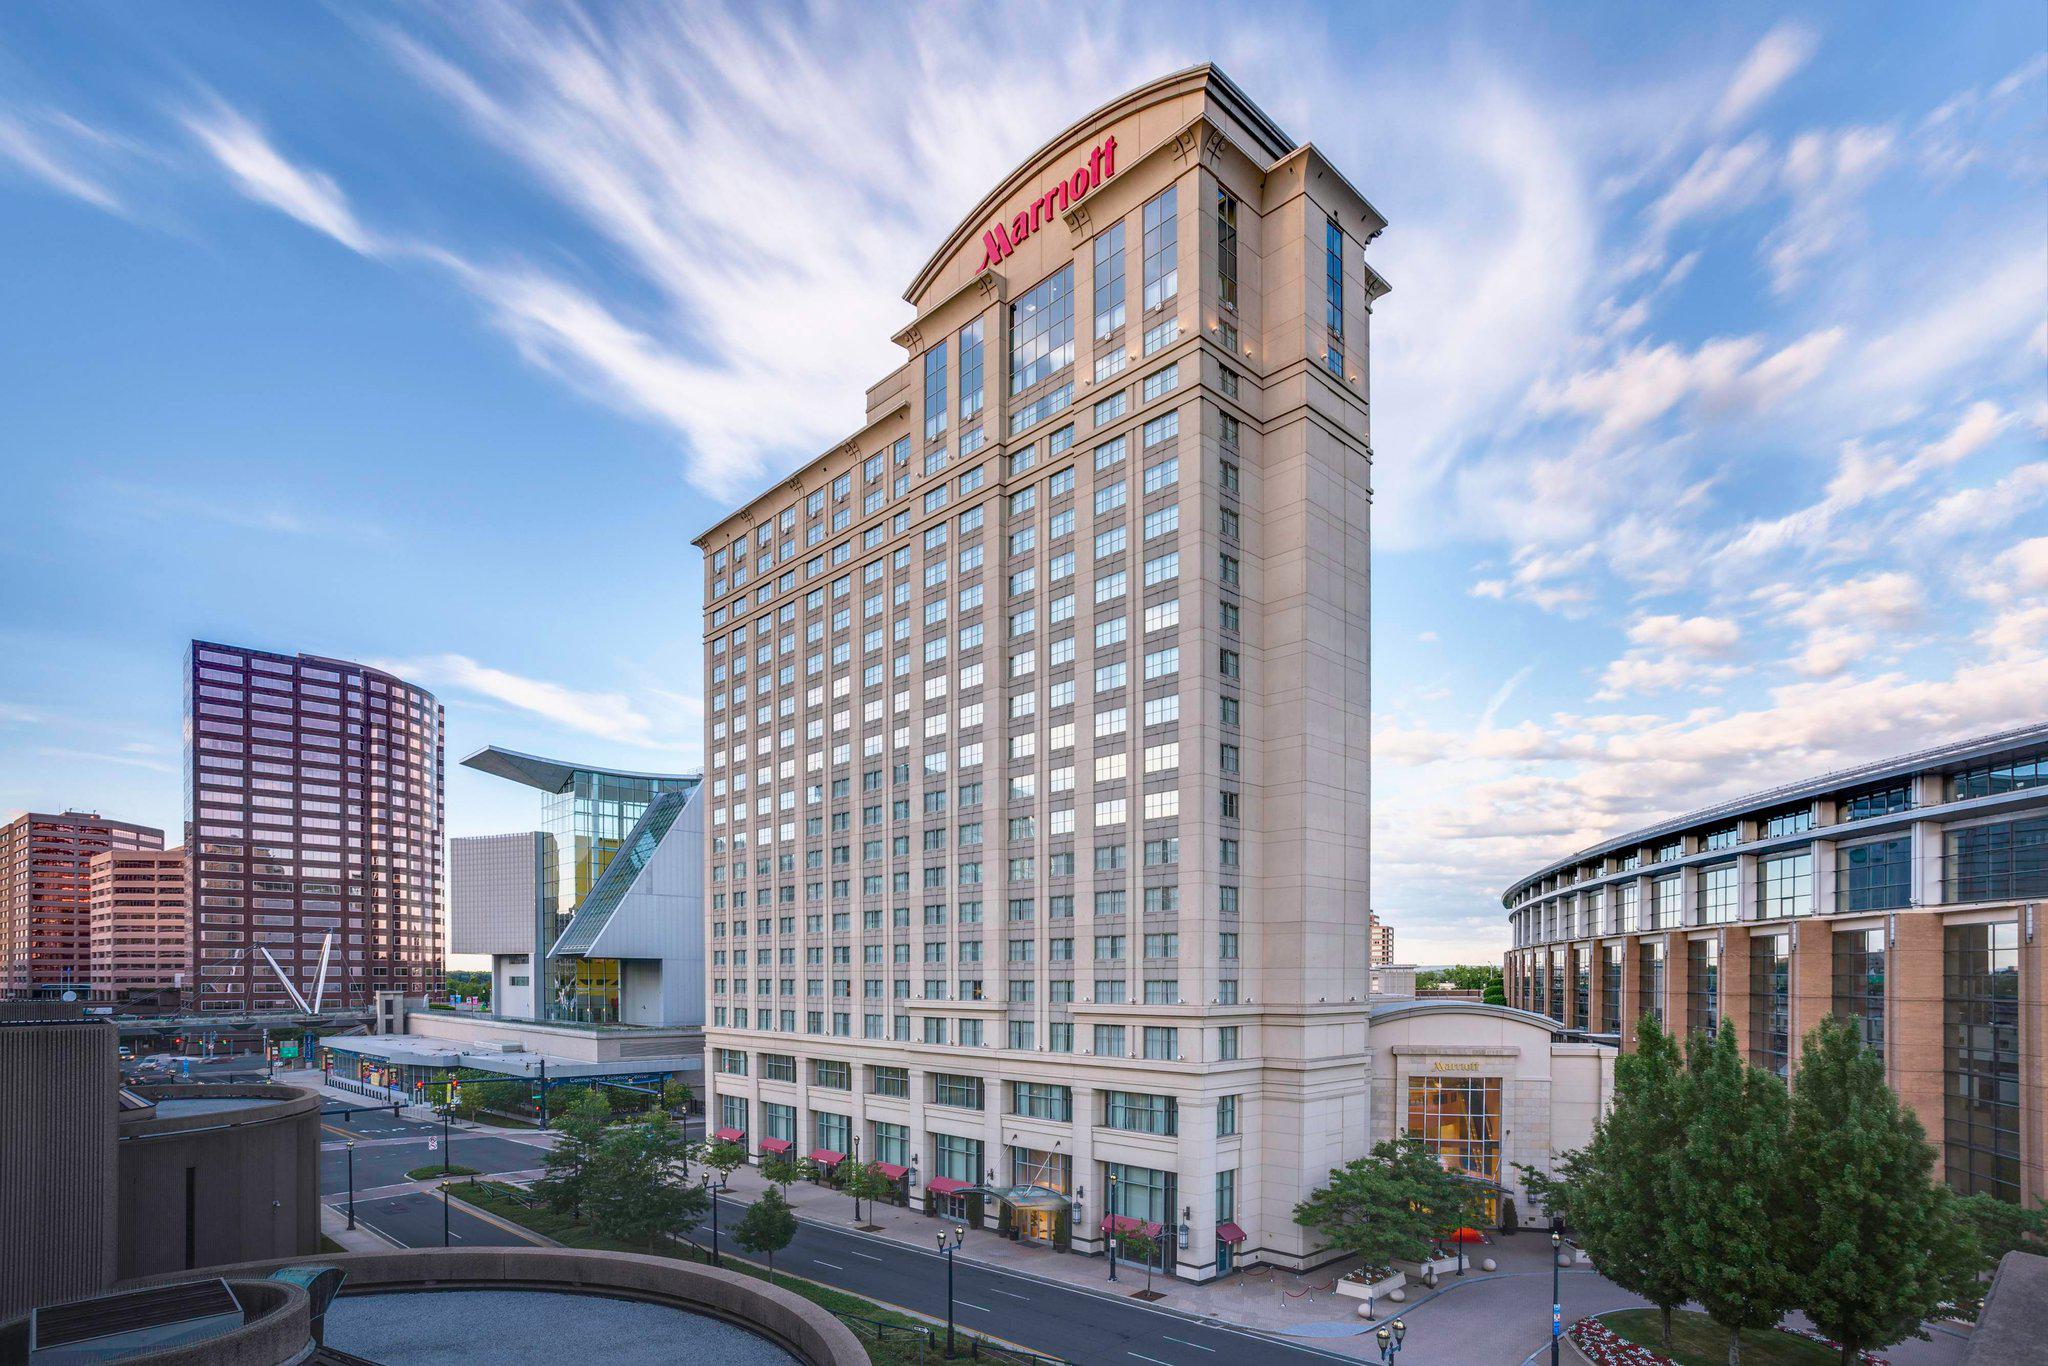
[1906,895]
[1037,715]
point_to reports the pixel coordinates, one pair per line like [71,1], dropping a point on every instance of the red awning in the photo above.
[892,1171]
[946,1185]
[728,1135]
[777,1146]
[1467,1235]
[1229,1233]
[1124,1223]
[827,1156]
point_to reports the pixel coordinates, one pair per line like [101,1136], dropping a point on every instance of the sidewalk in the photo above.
[1265,1299]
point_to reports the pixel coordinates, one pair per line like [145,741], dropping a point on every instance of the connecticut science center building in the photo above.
[1037,730]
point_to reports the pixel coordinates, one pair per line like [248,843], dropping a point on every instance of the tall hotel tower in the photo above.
[1037,712]
[313,830]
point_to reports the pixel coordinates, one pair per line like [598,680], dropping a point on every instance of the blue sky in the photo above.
[1709,405]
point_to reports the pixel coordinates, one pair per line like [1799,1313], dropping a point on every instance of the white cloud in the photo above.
[1973,511]
[1727,375]
[608,715]
[61,152]
[265,175]
[1772,62]
[1723,178]
[1824,172]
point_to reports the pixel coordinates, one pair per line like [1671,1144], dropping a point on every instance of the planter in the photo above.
[1359,1288]
[1430,1269]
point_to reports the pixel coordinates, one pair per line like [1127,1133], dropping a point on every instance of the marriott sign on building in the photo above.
[1038,723]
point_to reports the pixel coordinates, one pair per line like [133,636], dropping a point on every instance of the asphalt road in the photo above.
[1042,1316]
[414,1220]
[386,1161]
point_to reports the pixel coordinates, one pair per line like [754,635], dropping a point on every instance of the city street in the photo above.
[385,1161]
[414,1220]
[1043,1316]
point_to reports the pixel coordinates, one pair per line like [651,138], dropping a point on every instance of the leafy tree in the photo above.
[1390,1206]
[1137,1246]
[1463,976]
[569,1163]
[1732,1209]
[1986,1228]
[722,1157]
[784,1169]
[638,1188]
[1869,1225]
[1614,1194]
[676,1095]
[767,1227]
[1494,993]
[470,984]
[864,1181]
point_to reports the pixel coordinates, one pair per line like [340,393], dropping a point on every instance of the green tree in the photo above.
[784,1169]
[1869,1227]
[864,1181]
[1986,1228]
[1732,1209]
[1390,1206]
[722,1157]
[638,1189]
[566,1184]
[1495,993]
[1137,1246]
[1463,976]
[676,1095]
[1614,1194]
[767,1227]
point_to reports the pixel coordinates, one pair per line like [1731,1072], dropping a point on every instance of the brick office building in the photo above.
[46,896]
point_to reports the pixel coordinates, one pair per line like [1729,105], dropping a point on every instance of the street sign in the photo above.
[287,1050]
[432,1144]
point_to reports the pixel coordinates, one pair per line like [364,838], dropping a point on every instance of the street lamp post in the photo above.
[351,1183]
[714,1192]
[1390,1341]
[444,1213]
[853,1170]
[1556,1294]
[1109,1224]
[947,1245]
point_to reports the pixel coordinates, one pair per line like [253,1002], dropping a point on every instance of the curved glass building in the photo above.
[1905,895]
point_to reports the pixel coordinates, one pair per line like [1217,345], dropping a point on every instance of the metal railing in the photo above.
[926,1344]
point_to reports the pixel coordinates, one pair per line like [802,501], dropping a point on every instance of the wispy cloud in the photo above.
[1777,57]
[265,175]
[245,510]
[607,715]
[121,759]
[62,152]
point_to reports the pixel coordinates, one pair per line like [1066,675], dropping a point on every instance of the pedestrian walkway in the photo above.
[1267,1299]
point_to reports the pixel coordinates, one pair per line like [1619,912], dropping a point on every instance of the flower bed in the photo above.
[1604,1347]
[1370,1282]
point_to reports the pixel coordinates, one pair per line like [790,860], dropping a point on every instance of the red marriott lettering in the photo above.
[999,241]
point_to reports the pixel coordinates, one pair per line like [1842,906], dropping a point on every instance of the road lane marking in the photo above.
[862,1255]
[1154,1360]
[982,1307]
[1185,1343]
[993,1291]
[834,1265]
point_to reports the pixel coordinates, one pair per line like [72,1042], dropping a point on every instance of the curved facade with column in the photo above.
[1906,895]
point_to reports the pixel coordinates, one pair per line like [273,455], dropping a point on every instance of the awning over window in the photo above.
[1229,1233]
[728,1135]
[946,1185]
[776,1146]
[892,1171]
[827,1157]
[1124,1223]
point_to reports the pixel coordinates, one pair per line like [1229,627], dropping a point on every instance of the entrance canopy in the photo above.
[1030,1197]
